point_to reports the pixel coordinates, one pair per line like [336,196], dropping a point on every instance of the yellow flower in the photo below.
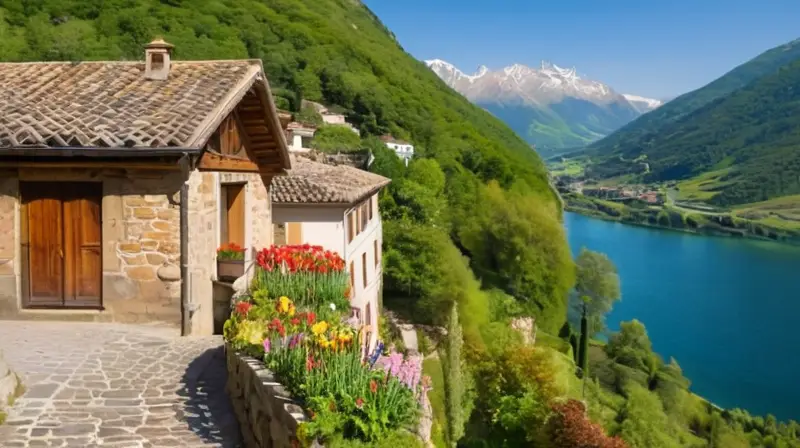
[284,304]
[319,328]
[291,310]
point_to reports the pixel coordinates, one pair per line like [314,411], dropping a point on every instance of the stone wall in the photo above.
[267,416]
[141,242]
[204,235]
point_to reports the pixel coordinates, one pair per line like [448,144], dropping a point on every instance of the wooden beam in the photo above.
[217,162]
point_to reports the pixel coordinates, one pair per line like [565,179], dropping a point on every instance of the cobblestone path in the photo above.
[112,385]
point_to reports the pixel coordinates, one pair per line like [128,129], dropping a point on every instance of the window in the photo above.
[294,233]
[364,268]
[369,203]
[232,214]
[351,227]
[279,234]
[352,275]
[364,215]
[377,252]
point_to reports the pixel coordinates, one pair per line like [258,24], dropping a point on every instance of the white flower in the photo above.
[333,307]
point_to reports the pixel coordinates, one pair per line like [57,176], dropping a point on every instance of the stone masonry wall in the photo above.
[9,191]
[268,418]
[141,263]
[204,237]
[140,219]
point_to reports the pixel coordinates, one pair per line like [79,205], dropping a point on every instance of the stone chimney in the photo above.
[156,56]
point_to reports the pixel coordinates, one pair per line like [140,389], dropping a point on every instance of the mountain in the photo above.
[643,105]
[637,134]
[745,144]
[551,107]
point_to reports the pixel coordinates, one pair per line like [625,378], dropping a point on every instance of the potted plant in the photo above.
[230,262]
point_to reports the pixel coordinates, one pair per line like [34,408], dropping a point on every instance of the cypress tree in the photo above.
[583,354]
[453,379]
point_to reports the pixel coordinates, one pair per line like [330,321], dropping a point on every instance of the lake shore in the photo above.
[668,218]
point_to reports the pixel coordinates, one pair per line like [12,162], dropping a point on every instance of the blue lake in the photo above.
[728,310]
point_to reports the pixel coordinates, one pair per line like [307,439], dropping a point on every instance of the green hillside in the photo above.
[637,136]
[752,134]
[338,53]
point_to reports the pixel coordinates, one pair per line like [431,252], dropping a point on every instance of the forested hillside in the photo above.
[637,134]
[482,183]
[751,136]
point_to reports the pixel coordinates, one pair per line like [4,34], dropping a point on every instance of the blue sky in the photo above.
[645,47]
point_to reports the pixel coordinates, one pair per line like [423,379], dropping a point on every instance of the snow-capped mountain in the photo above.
[550,106]
[642,104]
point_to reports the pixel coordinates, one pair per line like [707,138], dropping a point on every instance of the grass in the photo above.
[547,340]
[568,167]
[700,188]
[433,368]
[782,213]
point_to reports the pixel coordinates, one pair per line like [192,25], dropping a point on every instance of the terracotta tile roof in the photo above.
[310,182]
[112,104]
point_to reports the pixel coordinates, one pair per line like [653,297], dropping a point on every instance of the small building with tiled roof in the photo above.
[118,181]
[335,206]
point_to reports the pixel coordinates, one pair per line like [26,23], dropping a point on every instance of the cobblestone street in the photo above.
[113,385]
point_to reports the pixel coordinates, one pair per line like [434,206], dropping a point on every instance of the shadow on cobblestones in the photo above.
[207,410]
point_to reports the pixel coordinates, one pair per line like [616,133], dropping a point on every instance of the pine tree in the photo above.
[453,379]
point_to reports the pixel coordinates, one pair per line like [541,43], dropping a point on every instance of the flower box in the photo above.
[230,262]
[230,270]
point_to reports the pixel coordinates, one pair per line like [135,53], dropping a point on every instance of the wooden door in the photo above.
[45,261]
[82,245]
[64,244]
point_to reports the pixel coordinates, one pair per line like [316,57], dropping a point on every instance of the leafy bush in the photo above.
[336,138]
[569,427]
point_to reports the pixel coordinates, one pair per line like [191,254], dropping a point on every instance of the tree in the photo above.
[454,381]
[336,138]
[596,287]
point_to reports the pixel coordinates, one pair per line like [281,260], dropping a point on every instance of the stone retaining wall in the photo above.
[268,417]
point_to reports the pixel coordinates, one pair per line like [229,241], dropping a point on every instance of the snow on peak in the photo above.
[451,74]
[649,102]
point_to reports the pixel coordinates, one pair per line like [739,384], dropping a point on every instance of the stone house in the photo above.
[118,181]
[336,207]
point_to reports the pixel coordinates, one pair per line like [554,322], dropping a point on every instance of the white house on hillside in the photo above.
[335,207]
[403,149]
[299,136]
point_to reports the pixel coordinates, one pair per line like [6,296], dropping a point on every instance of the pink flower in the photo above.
[267,345]
[359,402]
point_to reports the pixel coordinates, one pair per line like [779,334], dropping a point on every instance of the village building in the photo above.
[119,180]
[403,149]
[336,207]
[299,136]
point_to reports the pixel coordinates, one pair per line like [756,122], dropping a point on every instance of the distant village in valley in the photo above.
[650,194]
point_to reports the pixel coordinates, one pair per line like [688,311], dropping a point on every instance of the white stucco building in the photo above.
[299,136]
[403,149]
[335,207]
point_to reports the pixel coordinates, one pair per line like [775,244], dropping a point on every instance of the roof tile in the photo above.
[310,182]
[111,104]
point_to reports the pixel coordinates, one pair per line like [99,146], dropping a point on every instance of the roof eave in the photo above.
[86,151]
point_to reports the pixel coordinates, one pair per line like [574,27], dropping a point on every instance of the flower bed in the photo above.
[316,354]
